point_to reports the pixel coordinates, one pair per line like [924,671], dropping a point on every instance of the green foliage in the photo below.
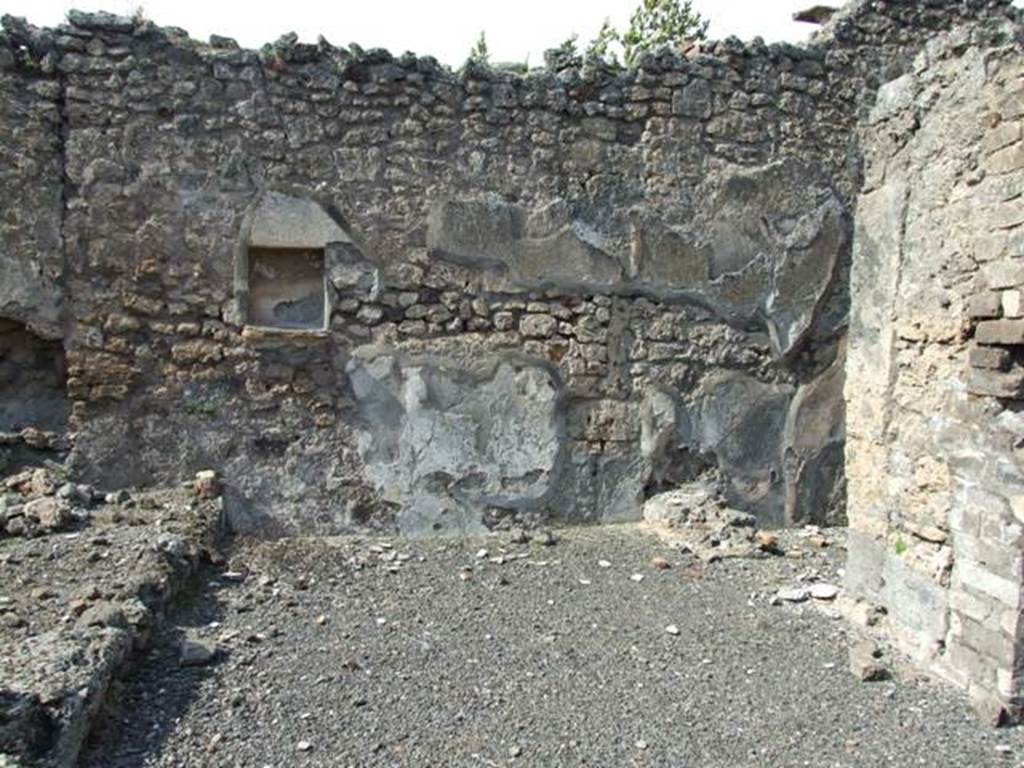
[479,53]
[601,47]
[206,407]
[569,46]
[516,67]
[654,23]
[900,546]
[661,22]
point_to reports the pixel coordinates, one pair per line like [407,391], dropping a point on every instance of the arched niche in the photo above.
[281,263]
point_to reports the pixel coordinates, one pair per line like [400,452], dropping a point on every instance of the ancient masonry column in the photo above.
[935,374]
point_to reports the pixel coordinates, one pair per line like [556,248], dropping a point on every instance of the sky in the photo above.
[517,30]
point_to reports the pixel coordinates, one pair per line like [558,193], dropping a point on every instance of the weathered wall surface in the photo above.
[935,476]
[33,402]
[545,296]
[31,180]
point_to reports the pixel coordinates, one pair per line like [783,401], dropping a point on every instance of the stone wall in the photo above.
[933,393]
[31,177]
[544,296]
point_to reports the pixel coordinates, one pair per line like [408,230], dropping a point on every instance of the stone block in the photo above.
[973,665]
[1007,214]
[915,602]
[352,275]
[1015,243]
[1016,504]
[678,506]
[281,221]
[1011,104]
[504,321]
[200,351]
[978,577]
[1000,136]
[1005,273]
[413,328]
[864,563]
[989,707]
[969,605]
[866,662]
[693,101]
[1010,622]
[1000,332]
[984,306]
[999,559]
[49,513]
[929,533]
[990,247]
[995,383]
[538,326]
[1006,160]
[992,643]
[991,358]
[1013,304]
[1007,683]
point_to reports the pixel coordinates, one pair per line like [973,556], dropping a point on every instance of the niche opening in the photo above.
[287,288]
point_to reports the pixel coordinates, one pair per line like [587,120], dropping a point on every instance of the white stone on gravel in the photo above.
[824,591]
[793,594]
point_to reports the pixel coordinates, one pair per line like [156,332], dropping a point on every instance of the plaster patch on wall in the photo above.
[449,444]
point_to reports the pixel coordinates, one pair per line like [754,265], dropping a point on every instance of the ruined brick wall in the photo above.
[545,296]
[934,382]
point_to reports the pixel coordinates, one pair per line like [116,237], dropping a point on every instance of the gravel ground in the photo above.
[377,653]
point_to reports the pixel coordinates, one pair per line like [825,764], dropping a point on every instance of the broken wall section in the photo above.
[935,475]
[34,405]
[668,248]
[31,184]
[664,248]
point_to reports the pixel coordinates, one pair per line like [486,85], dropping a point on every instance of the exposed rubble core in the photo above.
[745,288]
[34,404]
[33,381]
